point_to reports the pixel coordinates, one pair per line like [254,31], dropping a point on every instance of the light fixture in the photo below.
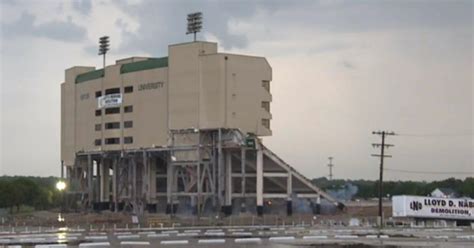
[194,23]
[103,46]
[60,185]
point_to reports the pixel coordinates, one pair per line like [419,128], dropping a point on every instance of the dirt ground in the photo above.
[366,213]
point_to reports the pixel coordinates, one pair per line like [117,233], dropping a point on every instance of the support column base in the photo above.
[151,208]
[100,206]
[259,210]
[227,210]
[340,206]
[317,209]
[289,208]
[113,208]
[171,208]
[121,206]
[243,208]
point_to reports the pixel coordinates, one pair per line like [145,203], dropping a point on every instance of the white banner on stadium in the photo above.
[431,207]
[109,101]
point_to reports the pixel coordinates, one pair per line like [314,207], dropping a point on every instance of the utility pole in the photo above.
[330,165]
[382,155]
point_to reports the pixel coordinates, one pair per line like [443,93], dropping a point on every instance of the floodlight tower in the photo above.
[194,23]
[330,165]
[103,46]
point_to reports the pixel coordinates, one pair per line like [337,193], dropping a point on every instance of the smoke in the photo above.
[344,194]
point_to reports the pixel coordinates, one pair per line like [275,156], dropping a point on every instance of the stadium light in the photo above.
[60,185]
[104,46]
[194,23]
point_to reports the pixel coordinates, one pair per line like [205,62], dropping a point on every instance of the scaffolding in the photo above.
[200,171]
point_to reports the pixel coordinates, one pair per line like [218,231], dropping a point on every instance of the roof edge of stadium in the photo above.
[151,63]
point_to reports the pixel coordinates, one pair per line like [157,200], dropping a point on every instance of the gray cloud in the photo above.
[331,46]
[348,65]
[362,16]
[10,2]
[163,22]
[56,30]
[413,74]
[82,6]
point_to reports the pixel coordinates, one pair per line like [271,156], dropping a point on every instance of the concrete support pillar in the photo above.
[134,179]
[228,180]
[62,169]
[151,192]
[95,183]
[259,188]
[289,192]
[90,175]
[169,187]
[71,176]
[242,169]
[196,201]
[129,178]
[152,187]
[152,182]
[114,184]
[104,181]
[318,205]
[213,175]
[145,177]
[220,170]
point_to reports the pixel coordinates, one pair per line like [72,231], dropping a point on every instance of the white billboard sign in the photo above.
[432,207]
[109,101]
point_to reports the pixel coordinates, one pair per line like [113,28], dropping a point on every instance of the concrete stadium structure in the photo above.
[177,133]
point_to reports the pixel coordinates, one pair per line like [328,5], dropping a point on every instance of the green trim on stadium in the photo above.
[148,64]
[144,65]
[91,75]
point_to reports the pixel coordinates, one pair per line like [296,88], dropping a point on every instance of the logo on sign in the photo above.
[416,205]
[150,86]
[109,101]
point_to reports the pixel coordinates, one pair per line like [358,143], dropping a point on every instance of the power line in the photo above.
[430,172]
[435,135]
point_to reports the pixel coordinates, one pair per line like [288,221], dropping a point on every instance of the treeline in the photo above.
[37,192]
[369,189]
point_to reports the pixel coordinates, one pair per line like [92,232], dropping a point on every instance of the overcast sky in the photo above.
[341,69]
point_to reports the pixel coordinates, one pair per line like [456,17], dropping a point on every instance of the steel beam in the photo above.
[275,174]
[244,175]
[242,169]
[308,195]
[298,176]
[228,179]
[220,169]
[259,184]
[289,186]
[274,195]
[89,176]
